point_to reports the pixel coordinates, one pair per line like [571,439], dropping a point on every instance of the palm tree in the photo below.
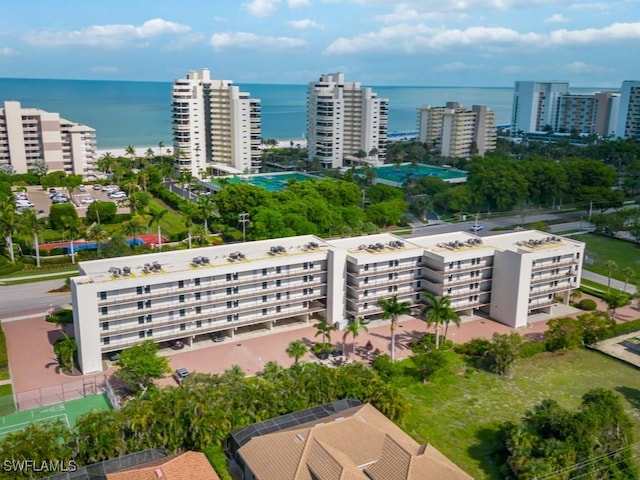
[323,328]
[438,312]
[133,228]
[188,222]
[131,151]
[143,178]
[160,147]
[627,274]
[611,267]
[107,163]
[354,329]
[198,234]
[296,350]
[73,228]
[97,233]
[206,208]
[31,224]
[8,223]
[391,310]
[156,218]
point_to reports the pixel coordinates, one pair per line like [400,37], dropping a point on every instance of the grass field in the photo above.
[460,415]
[601,249]
[172,223]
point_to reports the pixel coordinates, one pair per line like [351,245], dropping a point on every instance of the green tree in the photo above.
[324,329]
[428,363]
[73,230]
[296,350]
[60,211]
[140,365]
[616,299]
[354,329]
[628,274]
[133,228]
[101,212]
[391,310]
[97,233]
[8,223]
[503,352]
[156,217]
[564,334]
[66,350]
[438,312]
[206,209]
[139,201]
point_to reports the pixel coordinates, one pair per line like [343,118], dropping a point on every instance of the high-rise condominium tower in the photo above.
[216,127]
[628,125]
[30,135]
[534,105]
[344,120]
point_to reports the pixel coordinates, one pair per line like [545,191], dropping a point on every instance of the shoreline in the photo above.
[168,150]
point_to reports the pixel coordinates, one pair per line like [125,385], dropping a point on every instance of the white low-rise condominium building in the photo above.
[344,119]
[216,127]
[189,295]
[31,135]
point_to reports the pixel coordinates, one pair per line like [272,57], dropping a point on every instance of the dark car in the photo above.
[181,374]
[217,337]
[114,356]
[177,345]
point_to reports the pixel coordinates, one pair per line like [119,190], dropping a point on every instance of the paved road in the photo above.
[31,296]
[603,280]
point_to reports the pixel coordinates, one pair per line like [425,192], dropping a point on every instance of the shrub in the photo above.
[476,347]
[587,304]
[218,461]
[58,212]
[529,349]
[106,211]
[384,366]
[11,268]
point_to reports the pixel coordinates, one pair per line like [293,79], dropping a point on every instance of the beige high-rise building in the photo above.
[30,135]
[454,131]
[344,118]
[216,127]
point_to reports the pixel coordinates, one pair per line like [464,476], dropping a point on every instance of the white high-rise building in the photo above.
[534,105]
[189,295]
[343,119]
[29,135]
[216,127]
[628,125]
[457,132]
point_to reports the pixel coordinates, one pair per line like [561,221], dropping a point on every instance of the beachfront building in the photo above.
[346,123]
[189,295]
[216,127]
[628,125]
[30,135]
[455,131]
[340,440]
[534,105]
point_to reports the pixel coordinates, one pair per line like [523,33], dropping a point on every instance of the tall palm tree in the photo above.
[143,178]
[391,310]
[8,223]
[156,218]
[296,350]
[198,235]
[133,228]
[188,222]
[206,208]
[31,224]
[160,147]
[324,328]
[353,329]
[107,163]
[97,233]
[131,151]
[73,229]
[438,312]
[611,267]
[627,274]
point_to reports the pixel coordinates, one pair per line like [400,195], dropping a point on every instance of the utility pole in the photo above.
[244,219]
[590,210]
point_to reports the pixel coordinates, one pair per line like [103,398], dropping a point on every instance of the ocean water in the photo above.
[138,113]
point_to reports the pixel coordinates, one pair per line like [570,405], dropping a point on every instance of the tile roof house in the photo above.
[356,443]
[186,466]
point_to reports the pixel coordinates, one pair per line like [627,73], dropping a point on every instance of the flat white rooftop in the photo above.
[200,258]
[453,242]
[530,241]
[372,245]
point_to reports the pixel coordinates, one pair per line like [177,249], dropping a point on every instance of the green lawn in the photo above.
[601,249]
[459,415]
[172,223]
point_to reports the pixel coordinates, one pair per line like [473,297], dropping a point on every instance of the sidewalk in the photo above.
[35,277]
[603,280]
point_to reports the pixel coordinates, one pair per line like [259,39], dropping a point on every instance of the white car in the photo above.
[476,228]
[82,188]
[89,200]
[24,204]
[97,186]
[117,195]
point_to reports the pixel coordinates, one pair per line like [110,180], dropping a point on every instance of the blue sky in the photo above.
[376,42]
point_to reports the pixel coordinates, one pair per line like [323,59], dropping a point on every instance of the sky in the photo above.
[377,42]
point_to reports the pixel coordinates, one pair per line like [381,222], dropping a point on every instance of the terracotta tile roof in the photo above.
[186,466]
[343,447]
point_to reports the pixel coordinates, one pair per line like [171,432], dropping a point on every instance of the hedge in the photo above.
[587,304]
[4,357]
[218,461]
[11,268]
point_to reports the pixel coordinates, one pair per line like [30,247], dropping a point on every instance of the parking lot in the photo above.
[42,203]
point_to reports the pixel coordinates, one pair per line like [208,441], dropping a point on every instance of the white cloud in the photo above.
[409,39]
[298,3]
[304,24]
[7,52]
[453,67]
[582,67]
[104,69]
[112,35]
[262,8]
[555,18]
[251,41]
[600,6]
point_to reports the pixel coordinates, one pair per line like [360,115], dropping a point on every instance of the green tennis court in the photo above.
[269,181]
[67,412]
[397,175]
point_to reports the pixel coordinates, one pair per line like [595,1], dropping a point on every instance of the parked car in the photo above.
[114,356]
[52,190]
[177,345]
[97,186]
[87,201]
[24,204]
[82,188]
[181,374]
[217,337]
[60,200]
[476,228]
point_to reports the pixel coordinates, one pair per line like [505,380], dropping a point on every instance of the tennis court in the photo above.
[67,412]
[271,182]
[397,175]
